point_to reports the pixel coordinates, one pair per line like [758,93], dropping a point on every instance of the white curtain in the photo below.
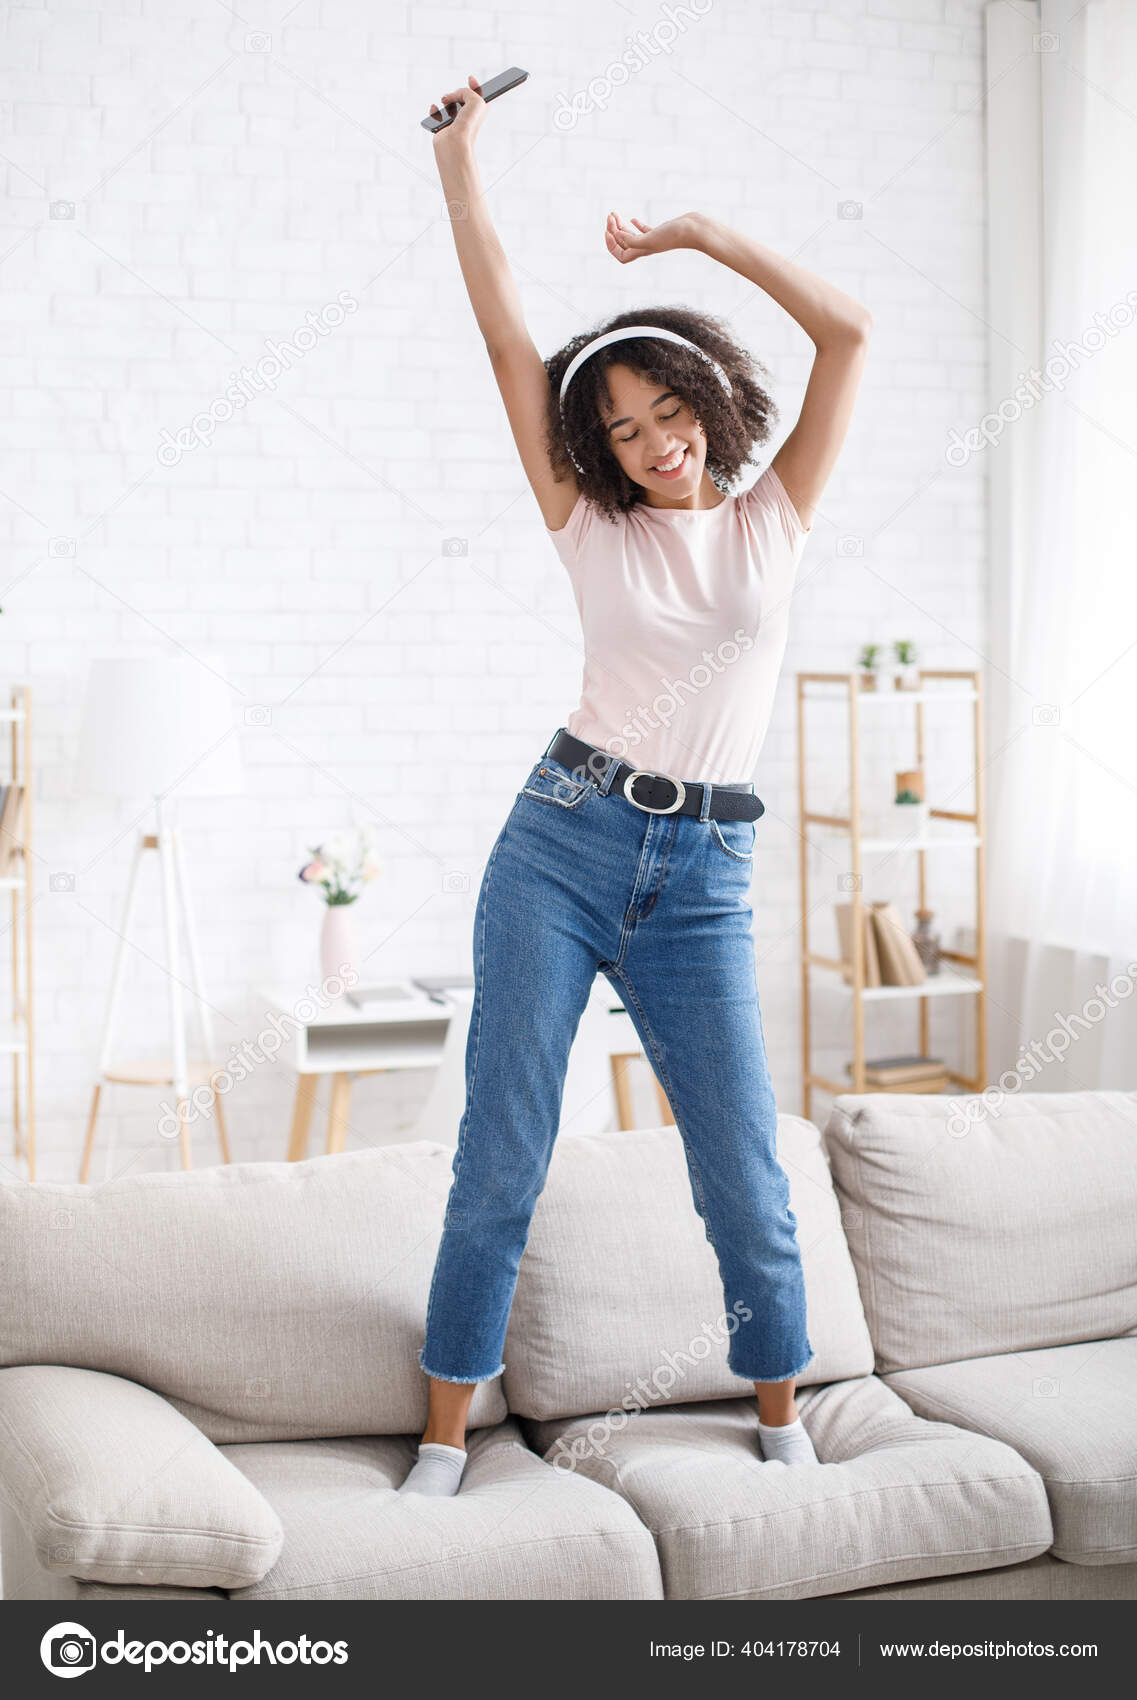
[1061,452]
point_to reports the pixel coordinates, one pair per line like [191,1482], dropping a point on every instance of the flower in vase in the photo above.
[339,847]
[342,864]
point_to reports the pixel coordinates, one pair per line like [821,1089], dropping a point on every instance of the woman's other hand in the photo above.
[629,241]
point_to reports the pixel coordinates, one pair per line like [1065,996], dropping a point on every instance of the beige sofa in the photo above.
[210,1390]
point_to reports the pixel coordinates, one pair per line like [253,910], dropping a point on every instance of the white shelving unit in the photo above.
[965,688]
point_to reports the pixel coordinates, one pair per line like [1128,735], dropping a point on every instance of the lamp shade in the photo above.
[157,726]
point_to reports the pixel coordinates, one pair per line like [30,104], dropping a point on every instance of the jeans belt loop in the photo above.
[610,772]
[705,806]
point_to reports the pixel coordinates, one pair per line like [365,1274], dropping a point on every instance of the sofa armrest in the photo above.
[112,1484]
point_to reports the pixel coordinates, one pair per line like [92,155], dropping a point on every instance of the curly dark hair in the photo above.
[732,424]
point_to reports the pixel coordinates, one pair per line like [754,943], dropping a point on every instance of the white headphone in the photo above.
[620,335]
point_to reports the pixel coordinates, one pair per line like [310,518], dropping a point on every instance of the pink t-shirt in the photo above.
[685,613]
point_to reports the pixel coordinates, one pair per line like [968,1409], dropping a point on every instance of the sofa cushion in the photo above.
[893,1497]
[620,1290]
[1071,1411]
[111,1484]
[516,1530]
[263,1300]
[25,1578]
[985,1228]
[1041,1578]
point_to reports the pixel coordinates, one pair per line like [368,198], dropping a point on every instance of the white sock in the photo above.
[787,1442]
[437,1472]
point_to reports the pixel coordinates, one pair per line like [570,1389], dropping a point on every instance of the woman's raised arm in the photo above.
[839,329]
[837,326]
[517,365]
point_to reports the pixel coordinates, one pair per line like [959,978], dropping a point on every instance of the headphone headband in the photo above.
[621,335]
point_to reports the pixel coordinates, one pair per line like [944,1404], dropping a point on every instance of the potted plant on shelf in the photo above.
[909,810]
[907,675]
[342,866]
[869,660]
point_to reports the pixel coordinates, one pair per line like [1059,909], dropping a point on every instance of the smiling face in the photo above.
[657,440]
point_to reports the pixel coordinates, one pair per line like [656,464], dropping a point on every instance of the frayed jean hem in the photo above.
[460,1380]
[772,1379]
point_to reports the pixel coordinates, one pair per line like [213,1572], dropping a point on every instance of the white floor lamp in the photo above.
[156,730]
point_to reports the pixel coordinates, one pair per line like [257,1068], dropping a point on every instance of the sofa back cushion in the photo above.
[619,1295]
[266,1301]
[983,1226]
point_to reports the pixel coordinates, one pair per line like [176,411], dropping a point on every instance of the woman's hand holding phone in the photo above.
[466,125]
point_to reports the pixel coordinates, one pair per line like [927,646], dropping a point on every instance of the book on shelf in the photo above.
[893,1071]
[845,944]
[900,963]
[936,1083]
[903,1074]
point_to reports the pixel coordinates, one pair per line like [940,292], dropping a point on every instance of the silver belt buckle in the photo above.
[649,773]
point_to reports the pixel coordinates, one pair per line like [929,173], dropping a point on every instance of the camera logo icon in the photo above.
[850,209]
[61,881]
[68,1649]
[61,209]
[1046,714]
[850,547]
[455,881]
[60,548]
[455,546]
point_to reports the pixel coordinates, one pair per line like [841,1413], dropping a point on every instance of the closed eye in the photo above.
[671,415]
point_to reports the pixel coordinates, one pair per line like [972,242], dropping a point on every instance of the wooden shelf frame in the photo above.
[19,1034]
[975,982]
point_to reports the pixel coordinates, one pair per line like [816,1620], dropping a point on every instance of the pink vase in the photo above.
[337,942]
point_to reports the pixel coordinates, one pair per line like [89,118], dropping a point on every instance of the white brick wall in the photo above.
[222,192]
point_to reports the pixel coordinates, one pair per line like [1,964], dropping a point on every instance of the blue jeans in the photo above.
[581,881]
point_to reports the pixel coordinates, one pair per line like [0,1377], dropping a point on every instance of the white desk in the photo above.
[345,1041]
[408,1032]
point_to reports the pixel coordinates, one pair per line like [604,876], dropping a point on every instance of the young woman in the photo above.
[629,849]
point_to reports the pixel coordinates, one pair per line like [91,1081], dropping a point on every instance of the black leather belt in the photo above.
[655,793]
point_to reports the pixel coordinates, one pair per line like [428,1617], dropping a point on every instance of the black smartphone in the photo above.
[489,91]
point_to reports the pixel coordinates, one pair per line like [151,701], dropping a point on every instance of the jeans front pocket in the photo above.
[734,837]
[552,782]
